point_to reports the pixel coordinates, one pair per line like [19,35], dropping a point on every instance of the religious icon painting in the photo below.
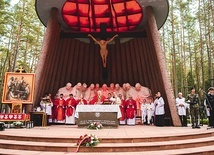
[18,87]
[17,108]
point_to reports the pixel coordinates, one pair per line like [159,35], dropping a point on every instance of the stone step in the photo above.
[109,140]
[107,147]
[203,150]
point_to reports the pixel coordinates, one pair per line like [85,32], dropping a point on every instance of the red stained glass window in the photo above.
[87,15]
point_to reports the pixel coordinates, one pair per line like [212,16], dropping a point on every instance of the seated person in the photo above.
[81,101]
[108,99]
[99,98]
[115,99]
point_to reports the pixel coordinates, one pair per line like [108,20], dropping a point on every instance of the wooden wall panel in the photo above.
[133,62]
[69,61]
[91,65]
[135,65]
[118,65]
[66,61]
[58,66]
[123,63]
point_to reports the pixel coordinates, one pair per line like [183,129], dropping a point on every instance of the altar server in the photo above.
[131,109]
[159,110]
[115,99]
[70,104]
[143,108]
[181,106]
[150,111]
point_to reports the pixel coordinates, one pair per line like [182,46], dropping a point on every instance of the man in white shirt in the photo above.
[181,106]
[46,105]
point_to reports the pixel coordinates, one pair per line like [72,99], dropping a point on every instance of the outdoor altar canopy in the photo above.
[70,54]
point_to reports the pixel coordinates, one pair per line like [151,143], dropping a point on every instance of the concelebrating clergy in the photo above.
[134,102]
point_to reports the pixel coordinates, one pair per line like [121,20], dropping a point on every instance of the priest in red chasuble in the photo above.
[82,101]
[122,110]
[60,103]
[70,105]
[98,99]
[131,109]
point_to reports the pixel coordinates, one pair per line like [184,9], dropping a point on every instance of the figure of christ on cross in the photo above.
[103,48]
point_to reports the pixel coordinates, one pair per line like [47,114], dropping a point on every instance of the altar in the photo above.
[108,115]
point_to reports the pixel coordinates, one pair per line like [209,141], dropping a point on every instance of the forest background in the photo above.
[187,40]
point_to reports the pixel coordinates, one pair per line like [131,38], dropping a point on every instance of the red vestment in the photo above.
[131,108]
[54,108]
[123,110]
[70,106]
[97,99]
[60,110]
[82,101]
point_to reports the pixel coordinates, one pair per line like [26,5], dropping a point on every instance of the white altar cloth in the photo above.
[98,108]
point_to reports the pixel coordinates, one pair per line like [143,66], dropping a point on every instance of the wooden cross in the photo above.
[21,69]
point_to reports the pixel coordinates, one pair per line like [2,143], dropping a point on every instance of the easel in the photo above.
[44,116]
[17,88]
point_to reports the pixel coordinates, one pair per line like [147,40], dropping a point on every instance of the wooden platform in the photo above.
[139,139]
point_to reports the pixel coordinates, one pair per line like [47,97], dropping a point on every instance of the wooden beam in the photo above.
[133,34]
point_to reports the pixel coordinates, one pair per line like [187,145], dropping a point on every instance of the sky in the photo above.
[13,2]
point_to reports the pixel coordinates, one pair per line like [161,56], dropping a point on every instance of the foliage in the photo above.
[187,40]
[21,35]
[17,124]
[87,140]
[202,121]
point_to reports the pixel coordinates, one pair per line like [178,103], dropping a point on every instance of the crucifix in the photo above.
[103,42]
[103,48]
[21,69]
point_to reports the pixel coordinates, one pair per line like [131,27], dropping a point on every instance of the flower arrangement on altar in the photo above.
[95,126]
[87,140]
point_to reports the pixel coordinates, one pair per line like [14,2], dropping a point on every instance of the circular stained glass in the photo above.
[88,15]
